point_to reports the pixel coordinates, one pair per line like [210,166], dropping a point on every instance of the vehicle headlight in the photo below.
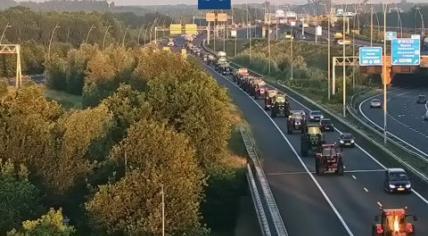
[322,117]
[408,185]
[341,141]
[352,141]
[311,117]
[391,186]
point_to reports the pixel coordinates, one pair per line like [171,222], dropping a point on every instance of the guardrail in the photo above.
[269,200]
[341,120]
[405,146]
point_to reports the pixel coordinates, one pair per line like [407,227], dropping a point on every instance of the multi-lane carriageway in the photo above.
[321,205]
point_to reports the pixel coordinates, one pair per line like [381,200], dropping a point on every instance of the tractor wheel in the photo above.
[273,113]
[317,166]
[340,170]
[304,148]
[289,131]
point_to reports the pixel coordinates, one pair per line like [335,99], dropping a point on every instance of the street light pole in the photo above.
[124,36]
[4,31]
[343,64]
[329,51]
[89,32]
[50,41]
[292,58]
[163,210]
[105,35]
[385,102]
[371,24]
[422,21]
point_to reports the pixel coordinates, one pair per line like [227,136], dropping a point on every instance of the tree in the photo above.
[194,104]
[77,60]
[19,199]
[50,224]
[155,155]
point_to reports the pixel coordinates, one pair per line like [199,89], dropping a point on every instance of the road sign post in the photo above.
[370,56]
[406,52]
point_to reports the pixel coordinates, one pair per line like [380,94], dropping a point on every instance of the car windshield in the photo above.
[346,136]
[316,113]
[375,100]
[397,176]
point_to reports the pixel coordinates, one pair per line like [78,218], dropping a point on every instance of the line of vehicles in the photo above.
[329,158]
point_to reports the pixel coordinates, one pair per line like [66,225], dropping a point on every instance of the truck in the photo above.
[311,140]
[329,160]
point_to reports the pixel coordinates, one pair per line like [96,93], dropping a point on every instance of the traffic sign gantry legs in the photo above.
[14,49]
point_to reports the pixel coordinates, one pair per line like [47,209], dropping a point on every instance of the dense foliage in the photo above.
[143,128]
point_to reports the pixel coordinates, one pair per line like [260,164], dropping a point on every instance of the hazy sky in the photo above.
[194,2]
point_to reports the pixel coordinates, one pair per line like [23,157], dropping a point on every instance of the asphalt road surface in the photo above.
[321,205]
[405,117]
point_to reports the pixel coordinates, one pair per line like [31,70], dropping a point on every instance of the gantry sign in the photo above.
[14,49]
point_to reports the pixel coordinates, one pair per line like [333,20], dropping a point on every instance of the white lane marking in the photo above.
[378,126]
[353,176]
[313,172]
[363,150]
[365,171]
[379,204]
[366,190]
[339,216]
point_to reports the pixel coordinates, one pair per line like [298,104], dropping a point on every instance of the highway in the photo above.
[405,117]
[321,205]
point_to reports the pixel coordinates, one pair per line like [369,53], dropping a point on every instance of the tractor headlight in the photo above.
[391,186]
[408,185]
[352,141]
[311,117]
[321,117]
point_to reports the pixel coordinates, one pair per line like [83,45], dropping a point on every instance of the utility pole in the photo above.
[292,58]
[371,24]
[50,41]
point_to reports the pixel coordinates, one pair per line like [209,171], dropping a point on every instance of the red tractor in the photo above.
[393,222]
[258,88]
[329,160]
[242,72]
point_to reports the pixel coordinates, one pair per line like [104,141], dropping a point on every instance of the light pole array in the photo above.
[105,35]
[89,32]
[51,39]
[422,20]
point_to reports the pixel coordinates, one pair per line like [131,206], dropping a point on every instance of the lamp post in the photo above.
[329,51]
[422,20]
[124,36]
[89,32]
[105,35]
[385,102]
[139,35]
[51,39]
[343,63]
[400,24]
[4,31]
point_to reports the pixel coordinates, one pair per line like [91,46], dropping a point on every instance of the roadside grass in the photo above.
[68,101]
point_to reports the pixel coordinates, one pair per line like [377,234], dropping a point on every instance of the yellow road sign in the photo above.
[210,17]
[191,29]
[221,17]
[175,29]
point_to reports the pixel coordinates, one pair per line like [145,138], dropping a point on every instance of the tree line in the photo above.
[34,31]
[145,132]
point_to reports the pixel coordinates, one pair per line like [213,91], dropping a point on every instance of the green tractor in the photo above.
[280,106]
[312,139]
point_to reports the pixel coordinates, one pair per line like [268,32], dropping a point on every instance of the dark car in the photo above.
[346,140]
[315,116]
[396,180]
[326,125]
[422,99]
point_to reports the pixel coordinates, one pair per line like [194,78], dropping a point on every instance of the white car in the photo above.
[375,103]
[170,44]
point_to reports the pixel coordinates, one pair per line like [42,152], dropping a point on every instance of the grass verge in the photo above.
[68,101]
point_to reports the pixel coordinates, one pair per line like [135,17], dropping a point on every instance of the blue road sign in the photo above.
[406,52]
[371,56]
[214,4]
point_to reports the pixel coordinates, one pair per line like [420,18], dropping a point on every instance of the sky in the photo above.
[194,2]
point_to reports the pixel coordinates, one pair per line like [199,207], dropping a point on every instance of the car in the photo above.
[397,180]
[375,103]
[346,140]
[326,125]
[422,99]
[315,116]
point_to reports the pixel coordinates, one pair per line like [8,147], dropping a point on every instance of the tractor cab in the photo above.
[269,95]
[280,106]
[312,139]
[392,222]
[329,160]
[296,121]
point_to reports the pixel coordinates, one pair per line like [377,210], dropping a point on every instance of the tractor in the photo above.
[329,160]
[393,222]
[296,121]
[258,88]
[312,139]
[269,96]
[241,72]
[280,106]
